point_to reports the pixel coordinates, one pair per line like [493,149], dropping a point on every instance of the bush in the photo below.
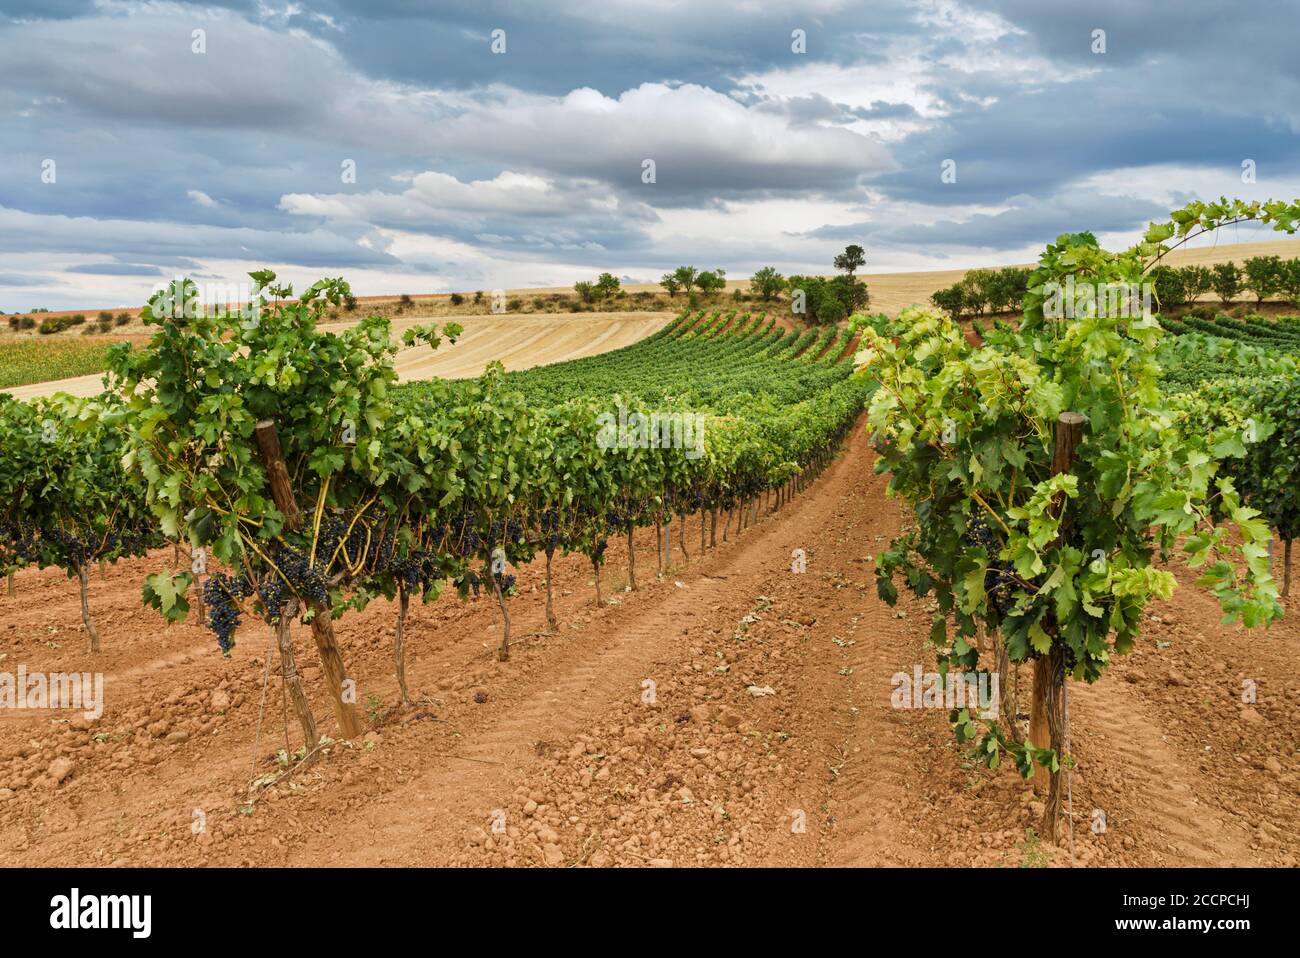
[478,296]
[457,299]
[78,318]
[104,317]
[349,302]
[14,322]
[56,324]
[514,305]
[122,319]
[1203,311]
[105,322]
[28,322]
[404,301]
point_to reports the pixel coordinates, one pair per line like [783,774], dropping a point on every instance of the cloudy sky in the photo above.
[146,139]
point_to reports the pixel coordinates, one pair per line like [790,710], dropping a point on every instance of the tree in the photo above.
[1196,281]
[1225,280]
[766,283]
[952,300]
[586,291]
[1169,288]
[711,281]
[1291,281]
[1264,276]
[685,276]
[671,283]
[607,285]
[851,260]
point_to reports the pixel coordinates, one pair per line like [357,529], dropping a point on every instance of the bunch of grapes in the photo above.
[999,581]
[304,578]
[221,595]
[74,546]
[550,524]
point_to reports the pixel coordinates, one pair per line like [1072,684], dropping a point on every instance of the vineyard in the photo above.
[644,606]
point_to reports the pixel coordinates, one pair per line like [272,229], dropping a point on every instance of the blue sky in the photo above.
[479,170]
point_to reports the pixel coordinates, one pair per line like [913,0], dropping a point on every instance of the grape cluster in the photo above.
[417,572]
[509,531]
[300,575]
[20,539]
[999,581]
[550,524]
[221,595]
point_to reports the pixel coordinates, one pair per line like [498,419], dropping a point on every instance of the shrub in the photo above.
[122,319]
[105,322]
[56,324]
[515,304]
[349,302]
[457,299]
[28,322]
[78,318]
[104,316]
[13,322]
[478,296]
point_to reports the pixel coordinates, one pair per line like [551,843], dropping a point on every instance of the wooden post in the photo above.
[322,625]
[631,557]
[1047,725]
[1286,570]
[268,440]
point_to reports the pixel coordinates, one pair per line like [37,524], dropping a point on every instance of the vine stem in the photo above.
[997,518]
